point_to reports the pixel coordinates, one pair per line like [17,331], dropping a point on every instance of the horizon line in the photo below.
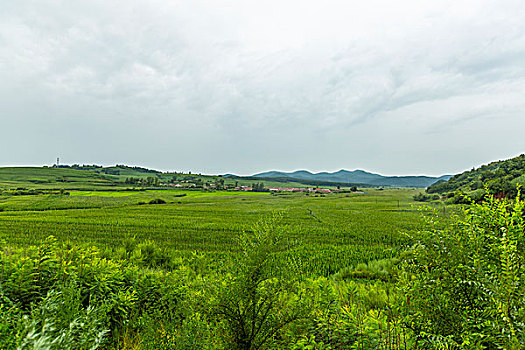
[313,172]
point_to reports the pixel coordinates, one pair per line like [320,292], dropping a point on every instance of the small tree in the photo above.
[255,304]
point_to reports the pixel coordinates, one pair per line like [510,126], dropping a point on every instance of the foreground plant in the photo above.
[466,284]
[255,303]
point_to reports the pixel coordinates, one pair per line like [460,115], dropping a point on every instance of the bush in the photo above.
[421,197]
[60,321]
[157,201]
[465,284]
[68,297]
[254,304]
[374,270]
[150,255]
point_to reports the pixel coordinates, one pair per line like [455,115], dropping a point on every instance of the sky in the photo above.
[393,87]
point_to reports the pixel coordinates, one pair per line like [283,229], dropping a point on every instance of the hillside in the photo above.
[345,177]
[501,177]
[91,177]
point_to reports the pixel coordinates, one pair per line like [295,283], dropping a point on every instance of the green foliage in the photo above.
[500,178]
[149,254]
[465,284]
[255,304]
[60,321]
[330,273]
[258,187]
[56,297]
[373,270]
[88,177]
[353,315]
[421,197]
[11,321]
[157,201]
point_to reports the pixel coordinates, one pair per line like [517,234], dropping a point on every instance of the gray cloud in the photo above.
[244,86]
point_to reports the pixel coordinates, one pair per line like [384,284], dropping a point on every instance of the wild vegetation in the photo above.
[235,270]
[500,178]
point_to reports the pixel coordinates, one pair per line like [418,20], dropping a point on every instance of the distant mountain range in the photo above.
[345,177]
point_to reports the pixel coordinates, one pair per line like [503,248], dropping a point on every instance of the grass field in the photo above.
[174,193]
[328,232]
[159,264]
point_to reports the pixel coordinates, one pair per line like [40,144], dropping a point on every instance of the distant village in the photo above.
[220,184]
[287,189]
[260,188]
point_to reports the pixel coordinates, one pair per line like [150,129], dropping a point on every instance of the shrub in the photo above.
[150,255]
[60,321]
[465,284]
[157,201]
[68,297]
[421,197]
[374,270]
[254,305]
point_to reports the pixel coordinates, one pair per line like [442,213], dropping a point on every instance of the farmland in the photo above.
[329,232]
[87,264]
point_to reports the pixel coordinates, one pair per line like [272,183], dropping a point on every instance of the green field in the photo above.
[329,232]
[166,193]
[86,265]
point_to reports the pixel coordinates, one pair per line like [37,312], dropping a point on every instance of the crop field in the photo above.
[326,233]
[169,268]
[168,193]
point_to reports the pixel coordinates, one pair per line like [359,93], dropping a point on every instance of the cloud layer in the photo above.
[244,86]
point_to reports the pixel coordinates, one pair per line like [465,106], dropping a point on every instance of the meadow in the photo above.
[87,265]
[328,232]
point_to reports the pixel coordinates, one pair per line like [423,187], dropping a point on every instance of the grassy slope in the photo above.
[38,178]
[71,179]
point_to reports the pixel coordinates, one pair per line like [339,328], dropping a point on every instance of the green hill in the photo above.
[45,177]
[92,177]
[500,178]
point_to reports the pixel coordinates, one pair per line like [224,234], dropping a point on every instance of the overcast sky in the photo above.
[394,87]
